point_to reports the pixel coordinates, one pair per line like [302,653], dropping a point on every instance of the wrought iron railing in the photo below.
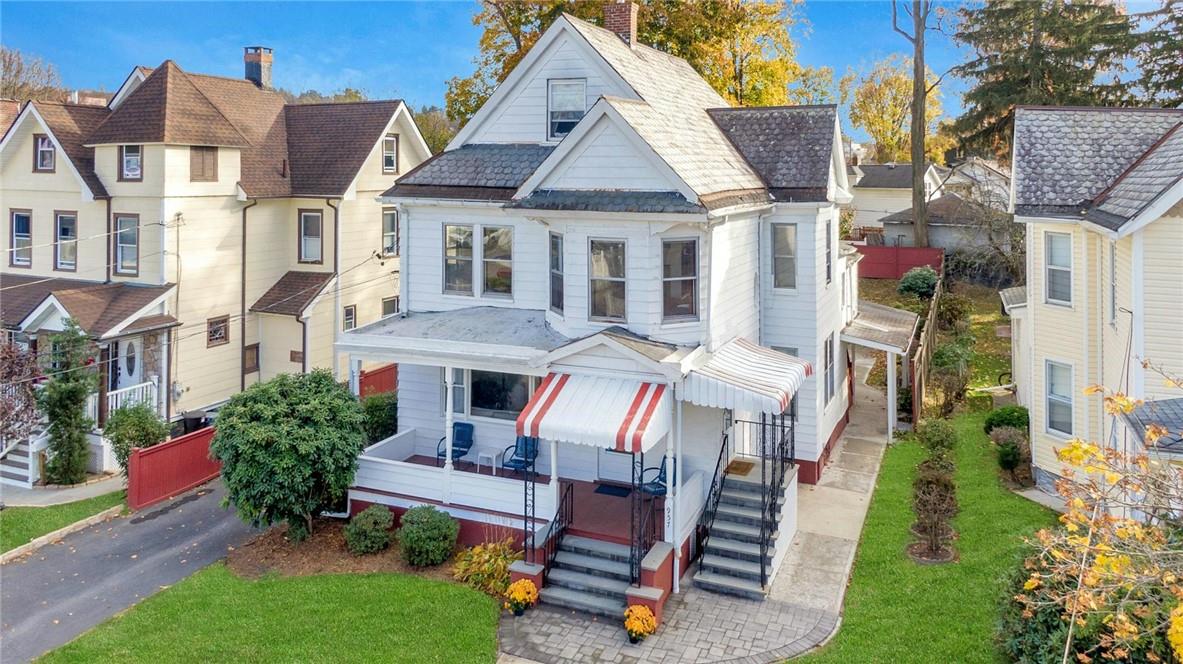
[644,520]
[777,449]
[529,493]
[707,518]
[558,527]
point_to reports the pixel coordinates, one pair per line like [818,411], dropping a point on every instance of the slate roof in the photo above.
[71,124]
[882,176]
[790,147]
[948,210]
[476,166]
[603,200]
[1167,413]
[1065,157]
[292,293]
[97,306]
[1148,178]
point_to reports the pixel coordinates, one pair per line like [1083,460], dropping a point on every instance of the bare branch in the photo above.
[895,23]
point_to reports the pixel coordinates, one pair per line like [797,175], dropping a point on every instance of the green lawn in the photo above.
[214,616]
[21,525]
[898,611]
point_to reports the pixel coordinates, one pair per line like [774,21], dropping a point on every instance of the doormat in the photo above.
[738,467]
[618,491]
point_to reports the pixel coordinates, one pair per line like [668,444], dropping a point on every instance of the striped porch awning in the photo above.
[613,413]
[745,376]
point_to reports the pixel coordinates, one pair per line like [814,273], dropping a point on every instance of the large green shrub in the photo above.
[369,530]
[70,364]
[956,354]
[1008,416]
[129,427]
[919,281]
[288,448]
[937,436]
[381,416]
[427,536]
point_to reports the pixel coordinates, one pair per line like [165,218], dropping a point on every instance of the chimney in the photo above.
[621,17]
[257,63]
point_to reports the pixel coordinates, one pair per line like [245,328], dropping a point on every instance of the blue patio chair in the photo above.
[525,452]
[657,486]
[462,440]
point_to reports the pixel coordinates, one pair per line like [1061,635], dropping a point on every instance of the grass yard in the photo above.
[898,611]
[21,525]
[215,616]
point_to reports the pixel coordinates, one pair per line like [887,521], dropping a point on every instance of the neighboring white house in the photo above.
[881,189]
[1099,191]
[609,263]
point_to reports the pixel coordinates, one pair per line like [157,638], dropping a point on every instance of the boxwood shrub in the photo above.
[369,530]
[427,536]
[1007,416]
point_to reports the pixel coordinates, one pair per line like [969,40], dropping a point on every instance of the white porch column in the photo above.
[891,397]
[448,398]
[554,473]
[676,490]
[354,375]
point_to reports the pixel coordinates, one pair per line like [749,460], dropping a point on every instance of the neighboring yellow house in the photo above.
[1100,192]
[206,233]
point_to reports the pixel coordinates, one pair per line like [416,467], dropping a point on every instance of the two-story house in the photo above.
[204,232]
[1099,191]
[626,323]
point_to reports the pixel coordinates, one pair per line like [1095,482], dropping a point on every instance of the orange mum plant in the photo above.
[521,595]
[639,621]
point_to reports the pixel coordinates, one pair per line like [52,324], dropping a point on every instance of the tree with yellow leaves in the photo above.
[880,104]
[1107,585]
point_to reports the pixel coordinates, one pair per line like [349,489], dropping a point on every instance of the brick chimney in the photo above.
[257,63]
[621,17]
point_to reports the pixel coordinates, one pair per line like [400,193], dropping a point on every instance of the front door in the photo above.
[615,466]
[130,360]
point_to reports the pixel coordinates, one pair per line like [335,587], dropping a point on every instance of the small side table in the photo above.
[492,454]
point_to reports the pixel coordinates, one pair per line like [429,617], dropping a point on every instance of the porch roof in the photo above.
[746,376]
[882,328]
[614,413]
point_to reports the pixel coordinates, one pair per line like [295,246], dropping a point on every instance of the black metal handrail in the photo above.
[647,536]
[777,451]
[564,515]
[707,518]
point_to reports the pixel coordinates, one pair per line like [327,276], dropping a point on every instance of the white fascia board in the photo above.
[31,111]
[437,352]
[671,371]
[547,216]
[143,311]
[417,201]
[306,312]
[49,303]
[1151,213]
[840,190]
[523,69]
[400,111]
[130,83]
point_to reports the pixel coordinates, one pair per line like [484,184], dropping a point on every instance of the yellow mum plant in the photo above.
[521,595]
[639,622]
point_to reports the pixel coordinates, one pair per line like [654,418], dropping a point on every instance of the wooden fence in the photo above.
[378,381]
[170,468]
[893,262]
[922,356]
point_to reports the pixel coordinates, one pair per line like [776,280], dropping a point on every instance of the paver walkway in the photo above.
[803,606]
[64,589]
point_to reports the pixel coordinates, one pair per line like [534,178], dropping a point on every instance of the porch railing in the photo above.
[558,527]
[127,396]
[645,520]
[777,450]
[707,519]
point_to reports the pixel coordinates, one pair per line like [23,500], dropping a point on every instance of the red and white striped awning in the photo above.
[614,413]
[748,377]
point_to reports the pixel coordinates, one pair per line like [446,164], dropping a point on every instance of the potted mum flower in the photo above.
[639,622]
[521,595]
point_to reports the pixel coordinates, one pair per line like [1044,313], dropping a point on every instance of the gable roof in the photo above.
[9,109]
[790,147]
[1148,178]
[1064,158]
[328,143]
[70,124]
[882,176]
[20,294]
[97,307]
[292,293]
[947,210]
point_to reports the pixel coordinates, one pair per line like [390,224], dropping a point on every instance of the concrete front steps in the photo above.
[588,575]
[731,562]
[14,467]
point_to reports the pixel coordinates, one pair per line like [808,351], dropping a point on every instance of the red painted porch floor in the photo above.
[597,515]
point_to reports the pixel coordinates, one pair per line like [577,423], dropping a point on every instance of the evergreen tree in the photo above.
[72,377]
[1161,56]
[1054,52]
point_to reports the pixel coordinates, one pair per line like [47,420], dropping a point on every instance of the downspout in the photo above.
[242,304]
[168,390]
[337,288]
[404,266]
[303,345]
[110,240]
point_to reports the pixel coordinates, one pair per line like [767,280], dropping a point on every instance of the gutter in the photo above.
[110,240]
[242,304]
[303,345]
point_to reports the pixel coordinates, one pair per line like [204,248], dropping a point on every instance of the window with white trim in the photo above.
[390,153]
[349,317]
[44,154]
[390,306]
[389,232]
[501,396]
[311,236]
[556,272]
[606,280]
[784,255]
[66,240]
[458,259]
[21,238]
[566,103]
[497,261]
[828,351]
[1059,398]
[679,279]
[131,162]
[127,244]
[1058,271]
[459,391]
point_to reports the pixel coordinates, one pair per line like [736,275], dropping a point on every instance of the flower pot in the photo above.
[518,611]
[634,639]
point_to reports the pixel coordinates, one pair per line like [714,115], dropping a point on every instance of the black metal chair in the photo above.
[462,439]
[657,486]
[525,452]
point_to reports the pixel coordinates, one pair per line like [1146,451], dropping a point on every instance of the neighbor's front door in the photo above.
[130,362]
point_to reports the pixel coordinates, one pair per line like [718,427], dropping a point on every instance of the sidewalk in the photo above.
[15,496]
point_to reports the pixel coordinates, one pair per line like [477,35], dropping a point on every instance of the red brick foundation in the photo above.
[809,472]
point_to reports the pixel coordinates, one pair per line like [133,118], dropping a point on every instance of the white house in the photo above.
[878,190]
[610,264]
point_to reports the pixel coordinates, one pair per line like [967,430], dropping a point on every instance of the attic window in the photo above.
[390,153]
[203,163]
[131,163]
[44,154]
[566,103]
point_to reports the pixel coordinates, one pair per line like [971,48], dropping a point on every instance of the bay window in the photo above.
[606,280]
[679,279]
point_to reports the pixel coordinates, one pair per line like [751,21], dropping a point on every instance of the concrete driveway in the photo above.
[60,591]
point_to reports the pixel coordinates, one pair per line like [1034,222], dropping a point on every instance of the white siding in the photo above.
[607,159]
[1163,303]
[735,281]
[871,205]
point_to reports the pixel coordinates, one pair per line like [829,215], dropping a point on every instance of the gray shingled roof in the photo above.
[1013,297]
[1065,157]
[947,210]
[882,176]
[501,166]
[614,200]
[791,147]
[1167,413]
[1150,177]
[882,325]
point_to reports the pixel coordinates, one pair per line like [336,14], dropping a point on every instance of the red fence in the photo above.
[170,468]
[893,262]
[380,380]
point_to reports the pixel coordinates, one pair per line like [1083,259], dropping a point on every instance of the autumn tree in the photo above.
[880,104]
[26,77]
[318,97]
[1052,52]
[437,128]
[18,407]
[1161,54]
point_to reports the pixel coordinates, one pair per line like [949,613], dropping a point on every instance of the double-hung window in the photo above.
[829,251]
[497,260]
[679,279]
[127,244]
[44,154]
[131,162]
[828,360]
[349,317]
[20,253]
[566,102]
[390,153]
[606,280]
[311,236]
[784,255]
[1059,398]
[1058,278]
[389,232]
[458,259]
[65,240]
[459,392]
[390,306]
[556,273]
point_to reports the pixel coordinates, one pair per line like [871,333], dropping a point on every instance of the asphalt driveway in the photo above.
[64,589]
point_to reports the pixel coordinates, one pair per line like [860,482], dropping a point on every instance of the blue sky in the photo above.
[387,49]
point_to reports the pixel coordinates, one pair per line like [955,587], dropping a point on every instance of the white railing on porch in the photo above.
[125,396]
[381,467]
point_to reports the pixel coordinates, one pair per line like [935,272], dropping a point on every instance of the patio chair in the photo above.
[657,486]
[525,452]
[462,440]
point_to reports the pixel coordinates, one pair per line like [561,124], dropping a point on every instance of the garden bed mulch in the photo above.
[324,552]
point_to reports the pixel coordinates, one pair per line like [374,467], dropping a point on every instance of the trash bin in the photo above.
[194,420]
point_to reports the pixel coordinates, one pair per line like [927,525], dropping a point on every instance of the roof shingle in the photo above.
[71,124]
[293,292]
[791,147]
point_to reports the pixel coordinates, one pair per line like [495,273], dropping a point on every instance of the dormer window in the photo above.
[44,154]
[390,153]
[566,103]
[131,159]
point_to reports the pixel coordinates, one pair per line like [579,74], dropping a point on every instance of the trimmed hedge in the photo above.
[1008,416]
[369,530]
[428,536]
